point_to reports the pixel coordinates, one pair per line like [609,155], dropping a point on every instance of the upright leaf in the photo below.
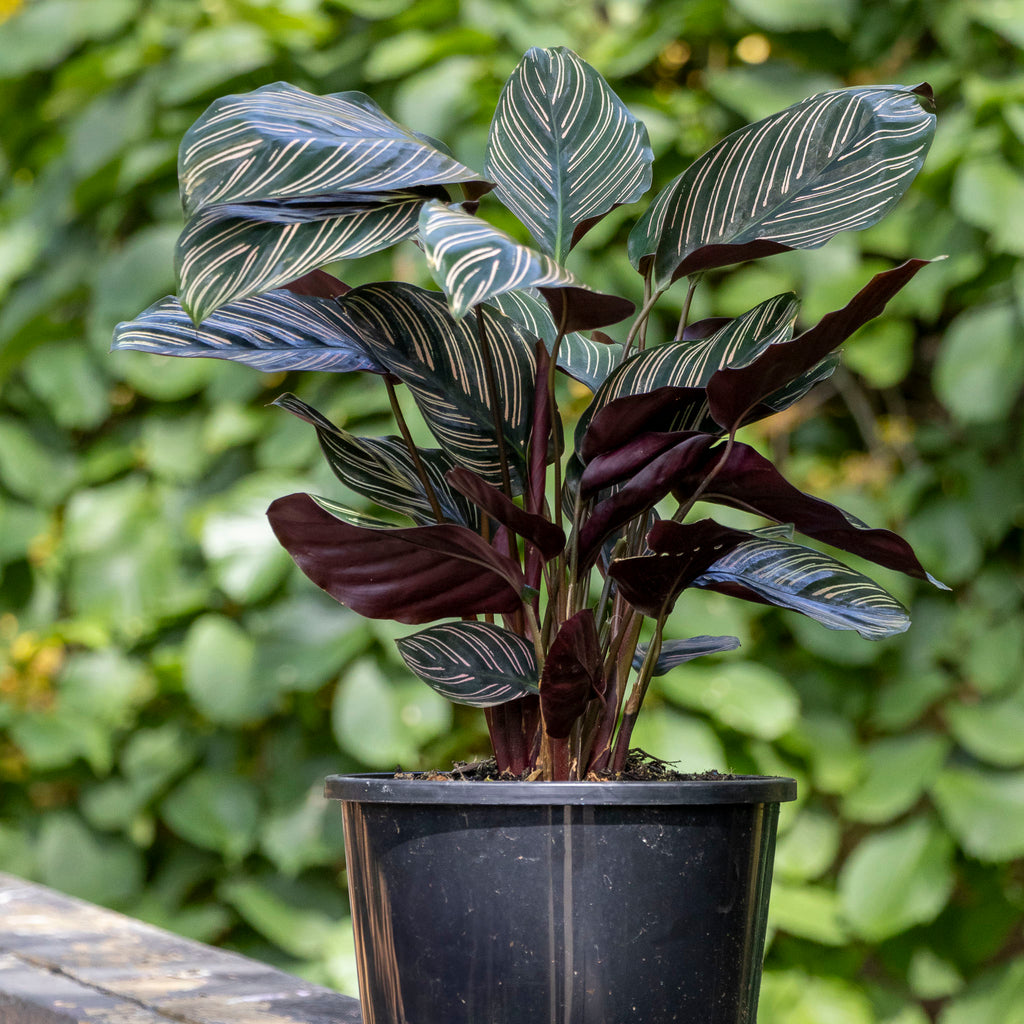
[836,162]
[473,262]
[281,142]
[475,663]
[572,675]
[275,332]
[564,149]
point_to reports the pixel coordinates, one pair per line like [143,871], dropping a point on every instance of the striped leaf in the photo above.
[676,652]
[836,162]
[411,332]
[691,364]
[275,332]
[280,142]
[564,149]
[232,251]
[381,469]
[774,571]
[473,663]
[413,575]
[582,358]
[473,262]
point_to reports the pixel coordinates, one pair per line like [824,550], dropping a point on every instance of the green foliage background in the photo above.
[173,690]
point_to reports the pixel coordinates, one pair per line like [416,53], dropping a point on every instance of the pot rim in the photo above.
[384,788]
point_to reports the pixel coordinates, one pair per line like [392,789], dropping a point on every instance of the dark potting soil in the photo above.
[640,767]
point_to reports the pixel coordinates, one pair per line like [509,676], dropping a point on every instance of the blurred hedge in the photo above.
[173,691]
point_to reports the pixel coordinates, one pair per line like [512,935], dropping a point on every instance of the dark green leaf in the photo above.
[473,262]
[584,359]
[229,252]
[273,332]
[473,663]
[281,142]
[411,332]
[676,652]
[564,149]
[381,469]
[836,162]
[791,576]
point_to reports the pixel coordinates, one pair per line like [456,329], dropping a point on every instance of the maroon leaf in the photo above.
[749,481]
[572,675]
[734,391]
[318,283]
[622,463]
[652,583]
[583,309]
[644,490]
[701,329]
[539,531]
[711,257]
[622,419]
[413,575]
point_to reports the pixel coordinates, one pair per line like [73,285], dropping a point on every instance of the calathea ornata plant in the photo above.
[545,549]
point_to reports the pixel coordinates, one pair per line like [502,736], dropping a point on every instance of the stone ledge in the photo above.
[65,961]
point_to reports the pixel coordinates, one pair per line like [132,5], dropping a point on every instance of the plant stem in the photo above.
[636,697]
[685,315]
[421,470]
[639,322]
[492,401]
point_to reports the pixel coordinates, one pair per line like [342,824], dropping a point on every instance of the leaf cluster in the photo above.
[509,519]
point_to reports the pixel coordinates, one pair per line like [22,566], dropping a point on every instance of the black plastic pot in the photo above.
[559,903]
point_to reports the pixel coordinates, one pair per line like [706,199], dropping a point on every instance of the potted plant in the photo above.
[553,551]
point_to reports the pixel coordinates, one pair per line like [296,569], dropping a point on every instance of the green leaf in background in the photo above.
[294,839]
[984,810]
[46,31]
[897,770]
[245,560]
[808,912]
[75,860]
[384,723]
[689,742]
[564,149]
[219,670]
[989,193]
[992,730]
[751,698]
[475,663]
[216,810]
[829,743]
[808,847]
[897,878]
[796,997]
[836,162]
[997,997]
[980,369]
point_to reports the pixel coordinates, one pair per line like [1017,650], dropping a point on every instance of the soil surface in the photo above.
[640,767]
